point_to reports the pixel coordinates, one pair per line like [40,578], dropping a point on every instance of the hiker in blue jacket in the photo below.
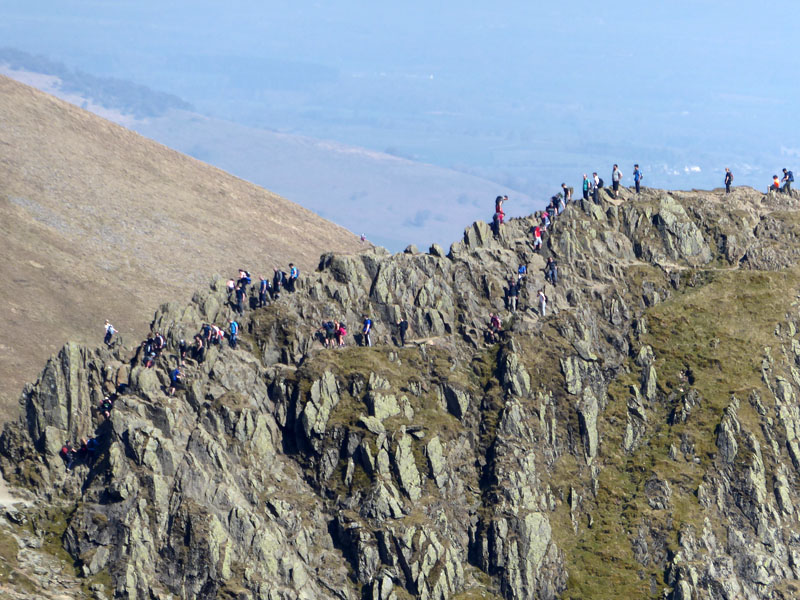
[366,331]
[788,180]
[637,176]
[233,338]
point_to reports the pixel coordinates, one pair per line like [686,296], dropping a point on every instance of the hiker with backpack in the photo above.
[278,281]
[110,331]
[341,333]
[244,278]
[176,380]
[637,177]
[788,180]
[616,177]
[294,273]
[234,333]
[263,290]
[328,332]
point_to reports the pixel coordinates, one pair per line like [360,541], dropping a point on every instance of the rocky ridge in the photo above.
[641,441]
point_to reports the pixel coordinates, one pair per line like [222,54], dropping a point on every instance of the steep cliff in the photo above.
[639,441]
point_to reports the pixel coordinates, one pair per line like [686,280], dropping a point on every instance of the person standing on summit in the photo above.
[637,177]
[788,180]
[585,187]
[616,177]
[728,180]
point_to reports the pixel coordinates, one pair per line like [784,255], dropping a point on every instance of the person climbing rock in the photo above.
[522,271]
[788,180]
[328,331]
[176,380]
[198,348]
[110,331]
[159,343]
[234,333]
[105,407]
[567,191]
[616,177]
[728,180]
[494,329]
[366,331]
[637,177]
[537,238]
[182,350]
[551,271]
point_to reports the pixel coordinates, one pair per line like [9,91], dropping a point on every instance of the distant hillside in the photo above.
[98,222]
[393,200]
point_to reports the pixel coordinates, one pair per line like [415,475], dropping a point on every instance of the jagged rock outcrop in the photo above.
[636,437]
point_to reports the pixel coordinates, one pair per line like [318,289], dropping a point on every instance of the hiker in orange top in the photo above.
[776,184]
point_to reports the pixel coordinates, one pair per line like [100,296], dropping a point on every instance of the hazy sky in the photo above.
[520,93]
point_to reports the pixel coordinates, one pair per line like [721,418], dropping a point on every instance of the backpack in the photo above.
[600,183]
[790,177]
[247,278]
[294,273]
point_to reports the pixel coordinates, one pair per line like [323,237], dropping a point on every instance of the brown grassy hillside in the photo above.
[98,222]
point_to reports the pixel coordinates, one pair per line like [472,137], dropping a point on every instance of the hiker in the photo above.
[217,335]
[159,343]
[513,293]
[637,177]
[341,333]
[198,349]
[68,455]
[788,180]
[328,331]
[616,177]
[294,273]
[241,294]
[148,351]
[105,407]
[776,185]
[176,380]
[263,290]
[110,331]
[567,193]
[402,325]
[552,211]
[585,187]
[728,180]
[366,331]
[522,271]
[278,281]
[244,278]
[494,329]
[545,221]
[542,303]
[182,349]
[234,328]
[537,238]
[551,271]
[597,183]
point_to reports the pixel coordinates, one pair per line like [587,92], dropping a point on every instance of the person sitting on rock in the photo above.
[776,185]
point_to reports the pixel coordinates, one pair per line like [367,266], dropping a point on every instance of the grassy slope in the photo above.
[98,222]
